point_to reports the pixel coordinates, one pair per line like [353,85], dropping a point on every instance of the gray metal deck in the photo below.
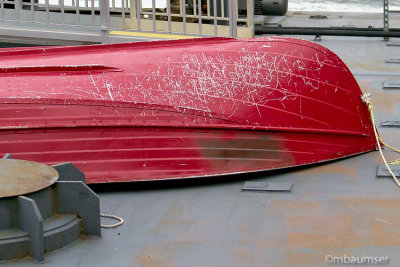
[338,208]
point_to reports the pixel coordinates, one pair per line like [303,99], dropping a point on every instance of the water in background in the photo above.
[374,6]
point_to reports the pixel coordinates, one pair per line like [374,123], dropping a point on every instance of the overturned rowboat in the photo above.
[180,109]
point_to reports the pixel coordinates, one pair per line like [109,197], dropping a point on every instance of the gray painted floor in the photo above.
[334,209]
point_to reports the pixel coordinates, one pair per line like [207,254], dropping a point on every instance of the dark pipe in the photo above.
[364,32]
[347,28]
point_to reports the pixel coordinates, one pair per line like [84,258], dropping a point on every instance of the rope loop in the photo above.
[109,226]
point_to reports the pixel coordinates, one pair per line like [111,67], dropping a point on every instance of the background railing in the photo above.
[187,17]
[196,17]
[386,12]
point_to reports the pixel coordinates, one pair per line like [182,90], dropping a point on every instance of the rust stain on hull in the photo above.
[96,106]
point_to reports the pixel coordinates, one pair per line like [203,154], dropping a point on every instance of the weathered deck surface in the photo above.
[334,209]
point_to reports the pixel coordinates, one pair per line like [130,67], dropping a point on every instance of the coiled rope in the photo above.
[109,226]
[367,100]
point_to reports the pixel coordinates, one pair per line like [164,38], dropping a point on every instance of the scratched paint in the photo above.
[283,88]
[243,81]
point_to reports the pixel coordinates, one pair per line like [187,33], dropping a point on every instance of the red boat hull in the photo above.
[180,109]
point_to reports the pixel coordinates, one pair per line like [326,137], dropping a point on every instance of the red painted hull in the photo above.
[180,109]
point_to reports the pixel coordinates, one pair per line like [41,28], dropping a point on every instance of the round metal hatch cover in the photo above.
[19,177]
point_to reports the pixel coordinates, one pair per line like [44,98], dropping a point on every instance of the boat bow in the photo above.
[179,109]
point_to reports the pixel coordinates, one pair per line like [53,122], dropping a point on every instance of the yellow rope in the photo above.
[367,100]
[395,162]
[386,145]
